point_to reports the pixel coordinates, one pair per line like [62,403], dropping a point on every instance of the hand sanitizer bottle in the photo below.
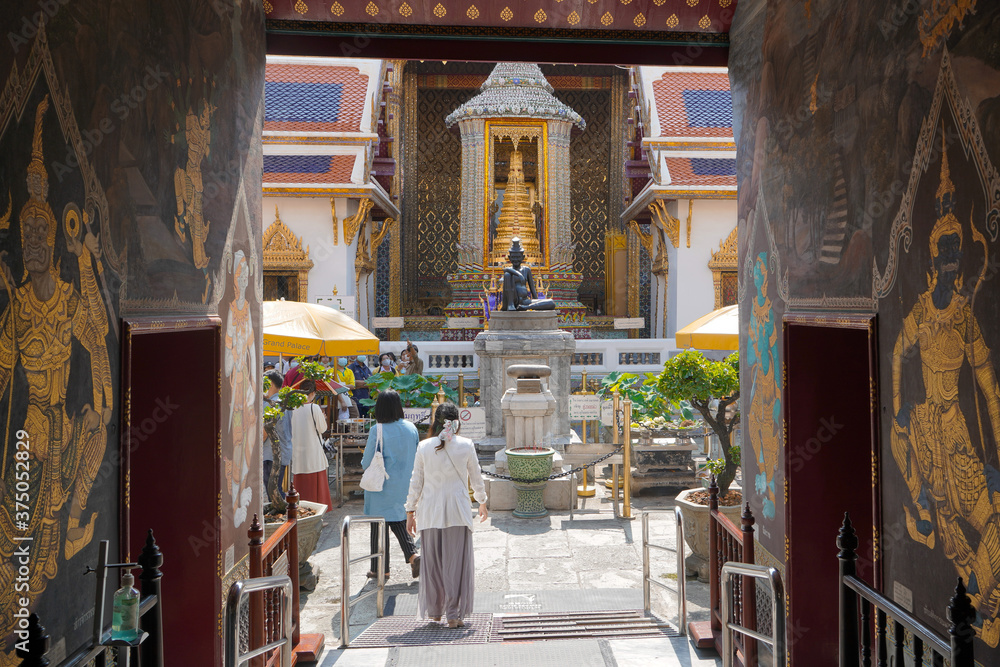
[125,612]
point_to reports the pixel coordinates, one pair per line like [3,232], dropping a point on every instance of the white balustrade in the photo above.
[596,356]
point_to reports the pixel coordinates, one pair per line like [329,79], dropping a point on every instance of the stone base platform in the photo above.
[559,494]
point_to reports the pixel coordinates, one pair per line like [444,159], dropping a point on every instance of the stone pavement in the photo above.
[592,553]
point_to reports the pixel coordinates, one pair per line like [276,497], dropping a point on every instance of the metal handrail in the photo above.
[777,640]
[899,615]
[345,572]
[240,590]
[681,579]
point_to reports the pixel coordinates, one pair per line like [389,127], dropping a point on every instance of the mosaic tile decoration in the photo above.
[702,166]
[308,168]
[709,108]
[694,104]
[302,102]
[685,172]
[313,98]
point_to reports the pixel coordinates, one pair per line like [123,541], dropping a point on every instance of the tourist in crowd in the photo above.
[344,376]
[361,375]
[294,376]
[283,429]
[399,446]
[409,362]
[308,456]
[438,506]
[387,363]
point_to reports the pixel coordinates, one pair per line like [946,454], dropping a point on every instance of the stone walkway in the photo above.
[592,552]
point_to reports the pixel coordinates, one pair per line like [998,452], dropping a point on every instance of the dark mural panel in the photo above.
[129,151]
[867,137]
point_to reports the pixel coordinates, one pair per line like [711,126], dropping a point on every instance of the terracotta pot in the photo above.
[696,520]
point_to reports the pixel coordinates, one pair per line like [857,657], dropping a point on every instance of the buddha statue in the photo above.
[516,219]
[519,286]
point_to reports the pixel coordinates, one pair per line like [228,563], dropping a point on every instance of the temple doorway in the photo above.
[829,400]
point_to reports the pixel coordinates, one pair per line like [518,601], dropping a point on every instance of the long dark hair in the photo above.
[445,411]
[388,407]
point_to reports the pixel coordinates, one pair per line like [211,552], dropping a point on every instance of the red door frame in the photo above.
[815,491]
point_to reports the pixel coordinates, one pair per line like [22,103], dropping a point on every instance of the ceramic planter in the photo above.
[696,525]
[309,530]
[530,463]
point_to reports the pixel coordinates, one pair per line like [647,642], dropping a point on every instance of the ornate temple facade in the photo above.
[403,182]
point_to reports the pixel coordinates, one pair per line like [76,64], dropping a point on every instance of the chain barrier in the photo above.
[554,475]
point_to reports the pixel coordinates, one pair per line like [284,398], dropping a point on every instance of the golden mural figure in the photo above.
[764,416]
[37,330]
[955,503]
[240,364]
[189,188]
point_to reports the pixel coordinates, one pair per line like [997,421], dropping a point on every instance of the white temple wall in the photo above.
[691,286]
[333,265]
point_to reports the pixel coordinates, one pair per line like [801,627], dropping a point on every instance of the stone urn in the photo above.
[309,530]
[530,463]
[696,525]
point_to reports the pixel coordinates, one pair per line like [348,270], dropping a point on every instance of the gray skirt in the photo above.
[447,573]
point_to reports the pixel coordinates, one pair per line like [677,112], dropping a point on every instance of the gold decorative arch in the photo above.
[723,261]
[283,252]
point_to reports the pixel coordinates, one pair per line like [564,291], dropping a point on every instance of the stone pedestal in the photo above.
[524,338]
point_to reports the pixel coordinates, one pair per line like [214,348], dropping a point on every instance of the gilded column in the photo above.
[474,190]
[560,234]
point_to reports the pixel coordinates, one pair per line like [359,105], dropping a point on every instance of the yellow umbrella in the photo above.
[293,328]
[719,330]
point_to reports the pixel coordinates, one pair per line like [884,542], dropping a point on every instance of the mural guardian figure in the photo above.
[44,318]
[240,365]
[956,498]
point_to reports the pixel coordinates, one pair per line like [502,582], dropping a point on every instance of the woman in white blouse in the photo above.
[438,505]
[308,457]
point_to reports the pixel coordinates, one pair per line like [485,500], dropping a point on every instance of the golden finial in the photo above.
[946,223]
[946,186]
[38,177]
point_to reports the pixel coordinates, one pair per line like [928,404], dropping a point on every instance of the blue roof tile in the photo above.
[701,166]
[302,102]
[708,108]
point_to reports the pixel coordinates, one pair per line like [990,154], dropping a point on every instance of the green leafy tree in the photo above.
[693,377]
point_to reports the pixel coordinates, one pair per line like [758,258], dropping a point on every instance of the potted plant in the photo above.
[713,389]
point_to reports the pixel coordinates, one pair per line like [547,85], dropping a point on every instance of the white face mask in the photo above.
[363,361]
[386,362]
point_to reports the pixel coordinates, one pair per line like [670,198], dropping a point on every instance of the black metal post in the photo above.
[151,651]
[847,541]
[961,613]
[37,643]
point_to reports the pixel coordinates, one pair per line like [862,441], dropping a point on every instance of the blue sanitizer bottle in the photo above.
[125,611]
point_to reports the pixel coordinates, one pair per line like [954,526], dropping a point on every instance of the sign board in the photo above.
[417,415]
[584,407]
[387,323]
[462,323]
[473,423]
[345,304]
[608,413]
[630,322]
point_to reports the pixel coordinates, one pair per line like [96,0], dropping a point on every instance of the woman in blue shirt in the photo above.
[399,447]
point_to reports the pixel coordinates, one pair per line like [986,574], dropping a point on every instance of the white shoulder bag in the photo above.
[375,475]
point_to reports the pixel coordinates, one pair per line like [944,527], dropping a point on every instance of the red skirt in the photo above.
[314,487]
